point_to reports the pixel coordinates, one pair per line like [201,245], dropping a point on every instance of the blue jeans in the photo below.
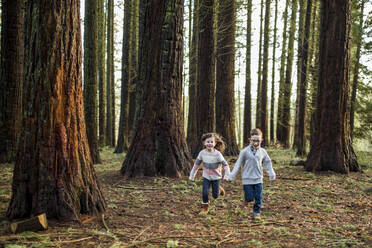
[215,189]
[254,191]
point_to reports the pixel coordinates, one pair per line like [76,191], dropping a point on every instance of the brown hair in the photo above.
[256,131]
[220,144]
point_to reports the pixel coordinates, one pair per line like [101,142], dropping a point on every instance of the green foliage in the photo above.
[172,243]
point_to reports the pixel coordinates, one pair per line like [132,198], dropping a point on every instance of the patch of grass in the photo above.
[350,227]
[179,226]
[252,243]
[318,189]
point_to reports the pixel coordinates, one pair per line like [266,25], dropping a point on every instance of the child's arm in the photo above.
[240,160]
[269,167]
[195,168]
[225,166]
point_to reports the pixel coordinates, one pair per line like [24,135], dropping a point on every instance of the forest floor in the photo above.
[300,209]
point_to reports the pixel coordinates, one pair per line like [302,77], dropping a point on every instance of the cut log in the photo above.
[37,223]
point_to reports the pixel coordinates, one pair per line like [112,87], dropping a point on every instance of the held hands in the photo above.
[191,178]
[271,178]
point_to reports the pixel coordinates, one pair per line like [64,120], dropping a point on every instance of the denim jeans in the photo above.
[215,189]
[254,191]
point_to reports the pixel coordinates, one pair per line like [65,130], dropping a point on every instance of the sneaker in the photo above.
[256,217]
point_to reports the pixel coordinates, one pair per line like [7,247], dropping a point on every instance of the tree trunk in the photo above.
[11,77]
[286,115]
[332,149]
[279,119]
[192,134]
[225,103]
[300,53]
[259,73]
[134,68]
[109,74]
[90,76]
[263,114]
[301,140]
[123,136]
[54,172]
[356,69]
[272,106]
[101,72]
[247,99]
[206,73]
[159,147]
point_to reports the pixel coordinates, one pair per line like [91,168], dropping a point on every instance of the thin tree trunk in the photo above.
[123,136]
[279,119]
[90,76]
[272,106]
[247,98]
[225,103]
[356,69]
[54,172]
[259,73]
[11,77]
[288,78]
[301,141]
[102,72]
[109,69]
[332,149]
[192,135]
[265,65]
[159,147]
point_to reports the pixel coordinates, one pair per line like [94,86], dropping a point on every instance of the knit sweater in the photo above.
[212,161]
[251,162]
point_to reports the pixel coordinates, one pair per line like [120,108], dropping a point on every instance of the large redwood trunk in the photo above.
[54,172]
[159,147]
[332,148]
[225,104]
[11,77]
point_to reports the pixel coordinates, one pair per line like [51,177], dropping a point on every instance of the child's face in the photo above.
[256,141]
[209,143]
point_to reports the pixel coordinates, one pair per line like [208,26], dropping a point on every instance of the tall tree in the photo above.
[11,77]
[133,66]
[301,112]
[259,72]
[159,146]
[272,104]
[356,67]
[279,123]
[123,136]
[90,76]
[101,72]
[225,103]
[206,72]
[192,135]
[300,53]
[332,149]
[110,89]
[265,65]
[286,114]
[53,172]
[248,82]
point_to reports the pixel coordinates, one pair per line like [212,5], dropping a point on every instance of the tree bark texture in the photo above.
[123,136]
[279,122]
[102,72]
[11,77]
[53,172]
[265,65]
[248,82]
[332,149]
[206,73]
[225,103]
[259,72]
[159,146]
[272,104]
[110,113]
[286,114]
[90,76]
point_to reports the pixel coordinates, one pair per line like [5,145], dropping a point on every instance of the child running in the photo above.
[212,159]
[251,158]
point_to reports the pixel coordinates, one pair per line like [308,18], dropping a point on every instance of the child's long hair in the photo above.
[220,144]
